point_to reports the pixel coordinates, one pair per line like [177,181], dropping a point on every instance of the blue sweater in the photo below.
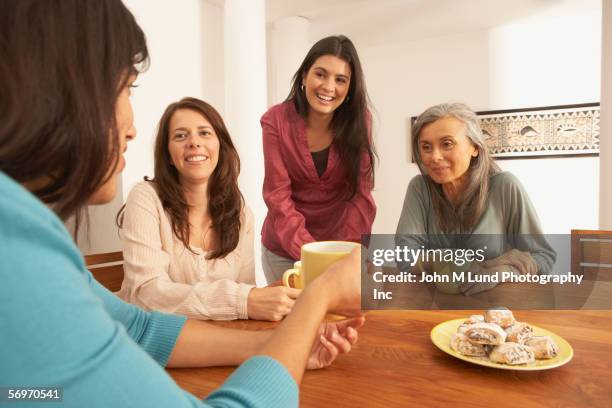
[59,327]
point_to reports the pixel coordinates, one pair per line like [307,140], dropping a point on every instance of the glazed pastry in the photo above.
[463,327]
[519,332]
[512,354]
[486,333]
[460,343]
[475,319]
[543,346]
[502,317]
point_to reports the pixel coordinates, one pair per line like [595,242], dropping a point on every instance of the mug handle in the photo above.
[288,273]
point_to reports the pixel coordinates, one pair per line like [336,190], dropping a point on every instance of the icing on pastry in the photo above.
[461,344]
[463,327]
[475,319]
[486,333]
[502,317]
[519,332]
[483,336]
[543,346]
[512,354]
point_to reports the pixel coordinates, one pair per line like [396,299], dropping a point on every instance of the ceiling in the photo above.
[372,21]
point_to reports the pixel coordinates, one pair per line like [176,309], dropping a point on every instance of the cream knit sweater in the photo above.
[161,274]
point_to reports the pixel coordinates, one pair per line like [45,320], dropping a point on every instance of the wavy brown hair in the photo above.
[225,201]
[63,64]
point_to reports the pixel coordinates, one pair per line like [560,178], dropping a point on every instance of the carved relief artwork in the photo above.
[551,131]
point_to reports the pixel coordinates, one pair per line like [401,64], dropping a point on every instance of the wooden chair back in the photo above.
[107,268]
[592,254]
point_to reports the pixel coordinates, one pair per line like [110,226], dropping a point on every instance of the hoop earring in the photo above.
[302,88]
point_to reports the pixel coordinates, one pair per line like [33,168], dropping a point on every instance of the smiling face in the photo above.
[446,152]
[326,84]
[193,146]
[124,119]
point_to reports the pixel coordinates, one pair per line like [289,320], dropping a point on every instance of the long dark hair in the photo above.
[352,119]
[225,202]
[62,66]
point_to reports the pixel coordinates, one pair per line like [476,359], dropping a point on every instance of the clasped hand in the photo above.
[514,261]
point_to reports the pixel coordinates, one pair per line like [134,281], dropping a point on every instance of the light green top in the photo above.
[508,221]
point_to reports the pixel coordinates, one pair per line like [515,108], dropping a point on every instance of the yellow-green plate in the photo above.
[441,334]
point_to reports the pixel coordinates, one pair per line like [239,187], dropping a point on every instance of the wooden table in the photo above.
[396,365]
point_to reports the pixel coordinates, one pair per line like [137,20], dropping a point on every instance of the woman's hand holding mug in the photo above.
[340,285]
[271,303]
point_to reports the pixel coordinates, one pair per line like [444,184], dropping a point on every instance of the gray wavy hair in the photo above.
[463,216]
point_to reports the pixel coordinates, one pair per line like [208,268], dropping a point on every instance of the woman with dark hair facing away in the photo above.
[319,157]
[462,196]
[66,68]
[187,235]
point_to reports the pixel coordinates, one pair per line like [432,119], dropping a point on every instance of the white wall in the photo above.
[213,56]
[180,37]
[548,58]
[246,100]
[405,78]
[551,58]
[98,230]
[288,42]
[175,41]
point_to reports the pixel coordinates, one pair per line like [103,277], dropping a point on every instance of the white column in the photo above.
[289,43]
[245,100]
[605,152]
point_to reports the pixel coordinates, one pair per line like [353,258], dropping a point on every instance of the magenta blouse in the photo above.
[303,207]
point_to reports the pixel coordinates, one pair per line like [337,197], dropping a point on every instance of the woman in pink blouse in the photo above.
[319,157]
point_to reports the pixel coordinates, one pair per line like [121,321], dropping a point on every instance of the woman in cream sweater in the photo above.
[187,235]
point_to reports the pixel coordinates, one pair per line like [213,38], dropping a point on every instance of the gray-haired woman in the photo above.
[462,197]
